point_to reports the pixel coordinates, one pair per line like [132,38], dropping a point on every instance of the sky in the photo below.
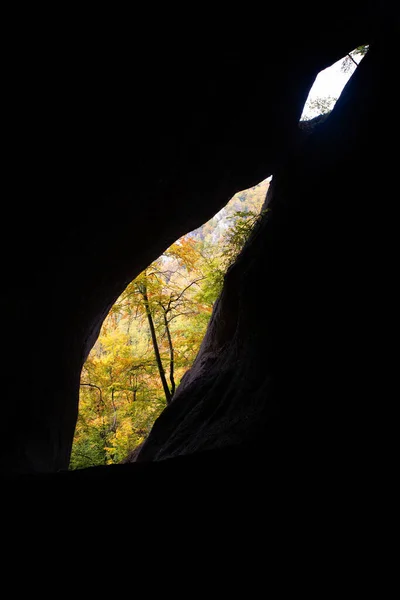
[329,82]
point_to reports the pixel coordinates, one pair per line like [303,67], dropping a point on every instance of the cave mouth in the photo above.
[153,332]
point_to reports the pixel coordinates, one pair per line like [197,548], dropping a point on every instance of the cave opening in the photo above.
[329,84]
[154,330]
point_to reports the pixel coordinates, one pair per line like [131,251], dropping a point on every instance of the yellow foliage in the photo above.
[121,392]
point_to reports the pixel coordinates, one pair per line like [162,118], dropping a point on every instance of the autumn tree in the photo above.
[164,292]
[152,335]
[119,398]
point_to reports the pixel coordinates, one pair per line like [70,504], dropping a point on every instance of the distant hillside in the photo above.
[246,200]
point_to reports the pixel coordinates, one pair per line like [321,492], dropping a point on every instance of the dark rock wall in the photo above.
[188,119]
[290,355]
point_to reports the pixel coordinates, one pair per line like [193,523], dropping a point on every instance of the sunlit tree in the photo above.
[152,334]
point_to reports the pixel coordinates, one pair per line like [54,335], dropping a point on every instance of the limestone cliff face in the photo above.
[117,152]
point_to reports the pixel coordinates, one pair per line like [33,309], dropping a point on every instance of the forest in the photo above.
[153,332]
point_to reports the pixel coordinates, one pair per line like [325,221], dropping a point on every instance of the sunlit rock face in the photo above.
[187,129]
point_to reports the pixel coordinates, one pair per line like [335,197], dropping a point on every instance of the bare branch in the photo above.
[183,314]
[354,61]
[79,453]
[92,385]
[187,287]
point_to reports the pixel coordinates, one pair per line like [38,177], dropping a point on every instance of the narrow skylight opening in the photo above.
[329,84]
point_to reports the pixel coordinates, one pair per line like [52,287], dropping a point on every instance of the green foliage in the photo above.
[121,392]
[243,223]
[351,61]
[322,105]
[362,50]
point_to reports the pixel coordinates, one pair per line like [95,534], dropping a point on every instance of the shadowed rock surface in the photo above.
[290,351]
[288,358]
[276,459]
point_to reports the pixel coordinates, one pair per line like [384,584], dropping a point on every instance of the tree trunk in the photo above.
[155,345]
[171,356]
[114,423]
[100,412]
[133,388]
